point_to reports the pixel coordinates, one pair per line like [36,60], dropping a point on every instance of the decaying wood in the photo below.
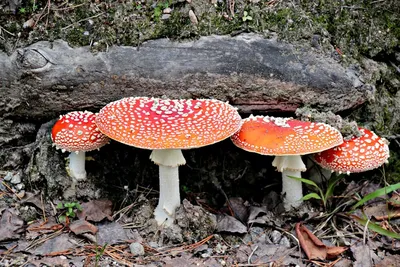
[256,74]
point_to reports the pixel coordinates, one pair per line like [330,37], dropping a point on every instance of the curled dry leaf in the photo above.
[226,223]
[81,226]
[96,210]
[313,247]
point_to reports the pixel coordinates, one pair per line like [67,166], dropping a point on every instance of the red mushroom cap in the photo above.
[285,136]
[358,154]
[153,123]
[77,131]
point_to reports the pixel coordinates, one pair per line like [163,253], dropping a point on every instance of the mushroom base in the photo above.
[169,199]
[77,166]
[292,190]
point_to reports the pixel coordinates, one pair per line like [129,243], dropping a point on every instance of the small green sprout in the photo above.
[246,16]
[69,210]
[99,253]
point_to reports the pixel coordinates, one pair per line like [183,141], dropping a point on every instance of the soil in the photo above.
[35,232]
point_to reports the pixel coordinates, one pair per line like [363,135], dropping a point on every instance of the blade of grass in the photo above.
[376,227]
[312,183]
[306,181]
[311,195]
[377,193]
[331,185]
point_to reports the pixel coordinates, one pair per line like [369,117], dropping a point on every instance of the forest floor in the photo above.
[357,227]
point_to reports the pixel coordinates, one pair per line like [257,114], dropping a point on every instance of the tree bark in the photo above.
[253,73]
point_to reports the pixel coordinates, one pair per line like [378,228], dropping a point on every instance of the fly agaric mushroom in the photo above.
[166,127]
[358,154]
[286,139]
[76,132]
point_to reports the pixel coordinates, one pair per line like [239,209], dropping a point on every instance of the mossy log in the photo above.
[253,73]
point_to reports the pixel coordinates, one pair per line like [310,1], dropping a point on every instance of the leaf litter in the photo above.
[240,233]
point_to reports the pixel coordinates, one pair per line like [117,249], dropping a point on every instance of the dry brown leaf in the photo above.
[81,226]
[313,247]
[226,223]
[96,210]
[382,211]
[50,246]
[11,226]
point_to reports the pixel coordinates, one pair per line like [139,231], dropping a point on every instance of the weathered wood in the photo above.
[253,73]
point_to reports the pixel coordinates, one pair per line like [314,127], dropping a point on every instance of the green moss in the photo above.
[76,37]
[356,27]
[176,27]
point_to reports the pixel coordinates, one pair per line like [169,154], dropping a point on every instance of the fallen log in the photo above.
[253,73]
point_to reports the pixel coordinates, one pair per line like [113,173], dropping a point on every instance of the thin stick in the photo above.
[44,213]
[10,189]
[251,255]
[79,21]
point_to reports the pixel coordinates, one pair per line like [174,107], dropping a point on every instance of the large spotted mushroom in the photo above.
[286,139]
[166,127]
[358,154]
[76,132]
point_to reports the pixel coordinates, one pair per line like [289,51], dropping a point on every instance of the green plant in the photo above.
[320,194]
[29,8]
[375,194]
[246,16]
[69,210]
[375,227]
[99,253]
[158,10]
[365,221]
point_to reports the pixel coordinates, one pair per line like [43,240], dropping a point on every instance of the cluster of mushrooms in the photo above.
[168,126]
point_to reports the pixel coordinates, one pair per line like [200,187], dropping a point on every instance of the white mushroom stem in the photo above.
[77,165]
[292,189]
[169,200]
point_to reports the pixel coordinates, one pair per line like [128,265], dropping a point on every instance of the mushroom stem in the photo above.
[77,165]
[169,199]
[168,161]
[292,189]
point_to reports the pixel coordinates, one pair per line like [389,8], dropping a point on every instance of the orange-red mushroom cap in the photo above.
[153,123]
[77,131]
[285,136]
[357,154]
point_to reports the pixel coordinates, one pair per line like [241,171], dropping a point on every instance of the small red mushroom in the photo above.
[166,127]
[286,139]
[358,154]
[76,132]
